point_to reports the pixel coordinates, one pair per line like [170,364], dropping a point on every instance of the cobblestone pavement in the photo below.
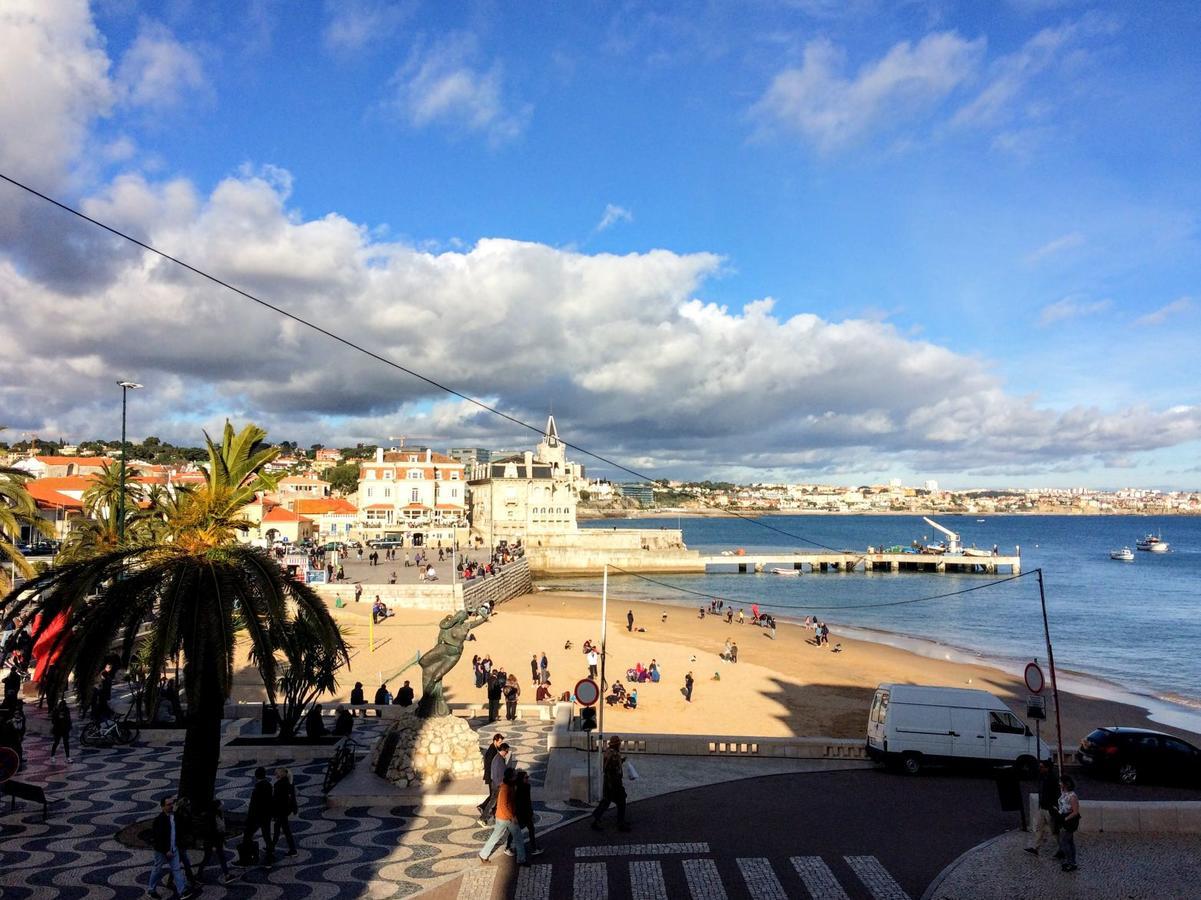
[370,851]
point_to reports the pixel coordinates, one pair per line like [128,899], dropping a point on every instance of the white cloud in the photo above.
[829,109]
[612,215]
[1161,315]
[157,71]
[1058,245]
[1071,308]
[439,84]
[355,24]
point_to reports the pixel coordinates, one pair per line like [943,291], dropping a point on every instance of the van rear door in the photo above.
[969,733]
[877,719]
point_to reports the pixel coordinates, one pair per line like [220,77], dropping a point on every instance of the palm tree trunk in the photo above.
[202,745]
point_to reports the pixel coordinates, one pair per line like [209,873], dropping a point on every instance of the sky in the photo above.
[818,240]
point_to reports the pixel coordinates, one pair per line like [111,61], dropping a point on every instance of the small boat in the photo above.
[779,571]
[976,551]
[1124,555]
[1152,543]
[979,520]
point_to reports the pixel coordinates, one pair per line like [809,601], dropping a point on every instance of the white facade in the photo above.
[411,490]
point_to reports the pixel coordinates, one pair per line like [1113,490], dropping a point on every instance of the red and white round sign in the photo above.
[586,692]
[1034,678]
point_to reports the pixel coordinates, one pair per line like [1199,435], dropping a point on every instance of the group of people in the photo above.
[1058,815]
[509,806]
[380,611]
[499,686]
[821,631]
[383,696]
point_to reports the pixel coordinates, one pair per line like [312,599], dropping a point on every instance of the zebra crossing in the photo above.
[676,870]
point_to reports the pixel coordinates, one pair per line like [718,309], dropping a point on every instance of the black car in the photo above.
[1136,755]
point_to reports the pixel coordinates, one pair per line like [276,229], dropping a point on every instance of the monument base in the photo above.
[417,753]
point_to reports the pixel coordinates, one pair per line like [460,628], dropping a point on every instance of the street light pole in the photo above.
[126,387]
[1042,596]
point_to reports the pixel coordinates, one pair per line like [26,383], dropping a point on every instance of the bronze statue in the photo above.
[439,660]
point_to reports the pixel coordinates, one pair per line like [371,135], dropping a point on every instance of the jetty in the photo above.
[871,560]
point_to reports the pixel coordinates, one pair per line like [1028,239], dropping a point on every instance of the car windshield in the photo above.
[1100,736]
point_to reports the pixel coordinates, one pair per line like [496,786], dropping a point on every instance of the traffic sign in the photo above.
[1034,678]
[586,692]
[1036,707]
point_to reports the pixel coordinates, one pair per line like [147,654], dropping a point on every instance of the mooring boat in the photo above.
[779,571]
[1152,543]
[1125,554]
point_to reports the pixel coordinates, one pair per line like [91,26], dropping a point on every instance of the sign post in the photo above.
[1036,705]
[600,746]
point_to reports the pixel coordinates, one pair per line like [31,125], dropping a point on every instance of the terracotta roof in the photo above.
[64,482]
[46,496]
[379,506]
[450,506]
[279,514]
[325,505]
[416,506]
[91,462]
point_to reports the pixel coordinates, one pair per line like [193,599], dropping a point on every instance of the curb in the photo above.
[932,889]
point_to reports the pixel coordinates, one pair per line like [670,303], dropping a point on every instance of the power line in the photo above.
[373,355]
[711,596]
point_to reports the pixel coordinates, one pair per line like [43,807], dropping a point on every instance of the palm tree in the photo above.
[103,497]
[17,509]
[193,590]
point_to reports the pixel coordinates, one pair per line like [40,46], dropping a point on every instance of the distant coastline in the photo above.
[667,513]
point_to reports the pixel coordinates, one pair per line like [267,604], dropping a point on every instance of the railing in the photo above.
[511,581]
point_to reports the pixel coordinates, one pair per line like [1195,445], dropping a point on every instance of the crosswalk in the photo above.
[599,873]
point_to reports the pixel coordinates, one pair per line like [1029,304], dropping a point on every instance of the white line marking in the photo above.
[819,880]
[533,882]
[591,881]
[640,849]
[646,880]
[760,879]
[704,881]
[876,878]
[477,883]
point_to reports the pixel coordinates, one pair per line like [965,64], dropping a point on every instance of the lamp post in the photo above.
[126,387]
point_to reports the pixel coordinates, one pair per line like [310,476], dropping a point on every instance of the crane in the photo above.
[952,537]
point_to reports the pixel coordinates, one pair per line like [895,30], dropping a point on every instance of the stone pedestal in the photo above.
[427,751]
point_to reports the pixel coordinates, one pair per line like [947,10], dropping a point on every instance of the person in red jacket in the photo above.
[506,822]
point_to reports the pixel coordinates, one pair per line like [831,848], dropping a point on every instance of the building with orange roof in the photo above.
[413,494]
[278,523]
[336,518]
[63,466]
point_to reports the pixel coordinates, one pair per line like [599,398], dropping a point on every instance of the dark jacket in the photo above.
[381,696]
[343,723]
[523,803]
[314,727]
[162,833]
[488,754]
[357,698]
[283,800]
[60,721]
[260,801]
[1048,792]
[404,696]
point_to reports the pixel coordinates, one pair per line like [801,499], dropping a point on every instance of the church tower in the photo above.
[551,450]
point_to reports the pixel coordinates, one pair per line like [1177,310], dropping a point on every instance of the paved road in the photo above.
[828,836]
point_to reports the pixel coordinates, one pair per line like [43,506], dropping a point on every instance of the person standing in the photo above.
[534,669]
[1048,803]
[1069,820]
[512,691]
[593,662]
[60,729]
[283,807]
[495,689]
[733,653]
[258,816]
[506,821]
[630,620]
[612,787]
[212,836]
[489,754]
[544,669]
[166,852]
[524,807]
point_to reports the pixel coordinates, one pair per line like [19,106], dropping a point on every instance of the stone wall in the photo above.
[635,549]
[440,597]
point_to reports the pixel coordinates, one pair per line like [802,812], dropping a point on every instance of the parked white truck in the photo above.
[912,725]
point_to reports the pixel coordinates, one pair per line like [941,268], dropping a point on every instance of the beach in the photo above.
[778,688]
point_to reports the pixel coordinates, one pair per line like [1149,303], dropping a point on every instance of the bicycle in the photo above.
[340,764]
[113,731]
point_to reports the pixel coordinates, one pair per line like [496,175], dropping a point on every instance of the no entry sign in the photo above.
[586,692]
[1034,678]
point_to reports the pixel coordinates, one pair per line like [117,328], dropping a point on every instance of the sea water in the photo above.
[1134,626]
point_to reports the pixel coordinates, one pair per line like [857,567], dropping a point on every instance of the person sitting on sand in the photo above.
[618,695]
[653,669]
[716,676]
[725,651]
[632,700]
[700,613]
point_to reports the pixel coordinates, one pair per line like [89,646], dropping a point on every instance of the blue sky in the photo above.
[976,224]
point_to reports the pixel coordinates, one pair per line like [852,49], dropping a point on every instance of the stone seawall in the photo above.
[513,581]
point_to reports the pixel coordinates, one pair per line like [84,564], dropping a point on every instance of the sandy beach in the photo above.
[779,688]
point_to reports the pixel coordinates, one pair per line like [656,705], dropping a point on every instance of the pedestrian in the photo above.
[612,787]
[512,691]
[258,818]
[358,588]
[733,653]
[212,836]
[688,681]
[489,754]
[506,821]
[1048,804]
[544,669]
[593,662]
[524,803]
[534,669]
[166,851]
[404,695]
[496,686]
[1069,820]
[283,807]
[630,620]
[185,836]
[60,729]
[497,768]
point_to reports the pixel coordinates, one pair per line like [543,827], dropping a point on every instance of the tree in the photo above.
[17,509]
[308,670]
[344,478]
[192,589]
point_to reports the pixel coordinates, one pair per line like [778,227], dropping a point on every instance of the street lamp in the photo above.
[126,387]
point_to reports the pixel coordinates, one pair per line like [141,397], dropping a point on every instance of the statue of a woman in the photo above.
[439,660]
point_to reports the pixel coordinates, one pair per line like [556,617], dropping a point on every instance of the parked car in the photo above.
[911,726]
[1136,755]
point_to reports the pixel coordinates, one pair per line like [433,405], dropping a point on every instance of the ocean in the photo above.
[1120,627]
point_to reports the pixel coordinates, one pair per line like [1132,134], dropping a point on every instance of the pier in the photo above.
[874,561]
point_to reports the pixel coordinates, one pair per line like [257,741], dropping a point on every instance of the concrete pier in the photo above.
[849,561]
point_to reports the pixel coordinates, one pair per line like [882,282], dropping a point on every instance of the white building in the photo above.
[414,494]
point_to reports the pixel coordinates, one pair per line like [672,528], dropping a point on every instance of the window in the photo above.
[370,492]
[1174,746]
[387,493]
[388,474]
[1005,723]
[415,473]
[880,708]
[414,495]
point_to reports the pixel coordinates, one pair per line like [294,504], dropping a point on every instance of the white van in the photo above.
[911,725]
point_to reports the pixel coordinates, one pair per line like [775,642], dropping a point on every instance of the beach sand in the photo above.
[778,688]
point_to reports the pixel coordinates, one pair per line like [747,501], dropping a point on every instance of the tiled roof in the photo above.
[325,505]
[279,514]
[91,462]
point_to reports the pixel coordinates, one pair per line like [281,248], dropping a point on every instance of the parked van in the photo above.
[912,725]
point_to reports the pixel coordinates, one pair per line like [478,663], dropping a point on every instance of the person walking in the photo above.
[688,681]
[524,807]
[630,620]
[612,787]
[1069,820]
[506,821]
[544,669]
[496,771]
[60,729]
[166,852]
[258,817]
[1048,804]
[489,754]
[212,836]
[283,807]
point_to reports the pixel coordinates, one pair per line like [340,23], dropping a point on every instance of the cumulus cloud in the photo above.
[1071,308]
[829,109]
[612,215]
[1165,312]
[158,71]
[1056,246]
[440,84]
